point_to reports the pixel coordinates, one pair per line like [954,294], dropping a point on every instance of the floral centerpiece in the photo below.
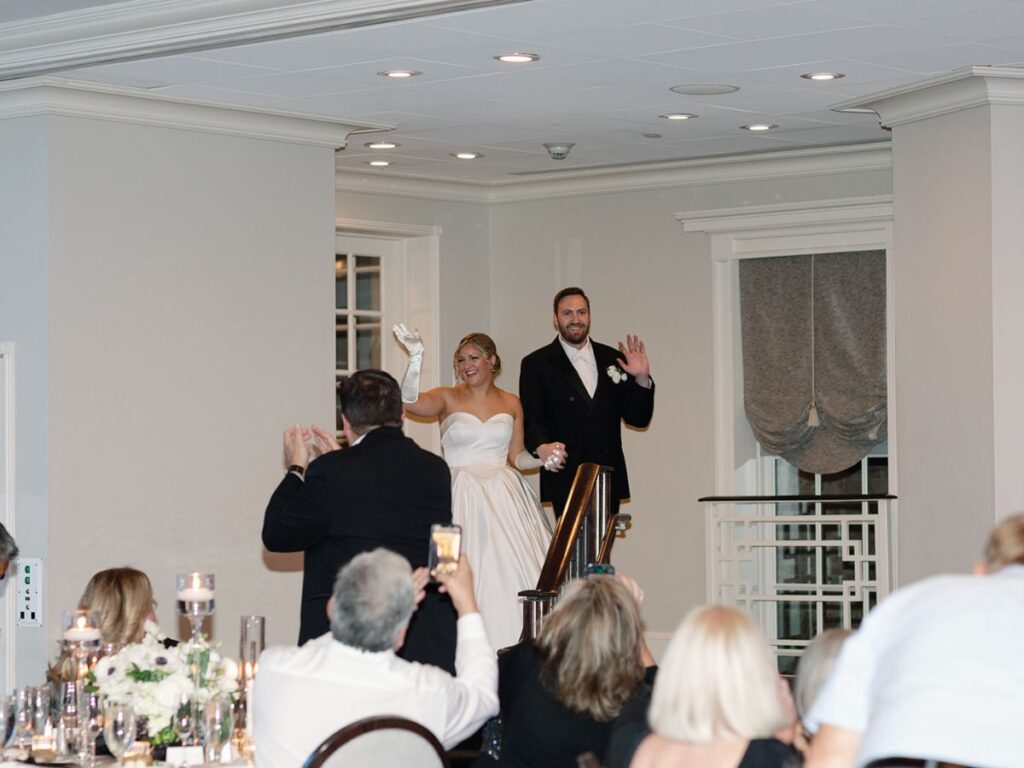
[154,679]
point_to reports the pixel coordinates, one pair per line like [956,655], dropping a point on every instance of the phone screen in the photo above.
[445,547]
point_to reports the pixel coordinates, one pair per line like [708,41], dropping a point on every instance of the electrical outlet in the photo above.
[29,606]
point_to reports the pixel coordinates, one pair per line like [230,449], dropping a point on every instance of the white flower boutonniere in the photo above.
[615,374]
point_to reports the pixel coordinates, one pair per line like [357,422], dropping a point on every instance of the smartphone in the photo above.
[445,547]
[600,569]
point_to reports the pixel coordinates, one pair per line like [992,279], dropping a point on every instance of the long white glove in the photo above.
[526,460]
[413,344]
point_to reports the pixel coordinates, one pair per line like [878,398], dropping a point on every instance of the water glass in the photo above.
[219,720]
[118,729]
[40,708]
[90,725]
[6,720]
[23,719]
[69,718]
[252,644]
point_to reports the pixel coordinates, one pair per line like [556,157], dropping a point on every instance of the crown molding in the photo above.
[842,212]
[145,28]
[766,165]
[69,98]
[375,228]
[954,91]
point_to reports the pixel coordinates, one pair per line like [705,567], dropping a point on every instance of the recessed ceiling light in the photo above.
[379,163]
[381,145]
[822,75]
[517,58]
[678,116]
[704,89]
[759,127]
[467,155]
[398,74]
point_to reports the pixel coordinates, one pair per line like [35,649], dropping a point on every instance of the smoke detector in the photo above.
[559,150]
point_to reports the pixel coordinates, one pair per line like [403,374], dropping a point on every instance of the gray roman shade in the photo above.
[814,380]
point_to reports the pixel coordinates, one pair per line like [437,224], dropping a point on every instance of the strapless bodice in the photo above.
[469,442]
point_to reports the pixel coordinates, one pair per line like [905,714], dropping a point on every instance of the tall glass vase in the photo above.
[195,597]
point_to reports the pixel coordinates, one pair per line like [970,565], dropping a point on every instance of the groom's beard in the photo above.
[574,333]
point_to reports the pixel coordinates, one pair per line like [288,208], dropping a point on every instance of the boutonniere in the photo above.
[615,374]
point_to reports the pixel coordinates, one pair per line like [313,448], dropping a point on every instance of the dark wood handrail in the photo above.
[552,573]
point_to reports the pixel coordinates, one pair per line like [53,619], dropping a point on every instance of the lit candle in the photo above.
[80,631]
[82,634]
[195,592]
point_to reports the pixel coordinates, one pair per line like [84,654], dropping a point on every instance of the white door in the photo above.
[380,281]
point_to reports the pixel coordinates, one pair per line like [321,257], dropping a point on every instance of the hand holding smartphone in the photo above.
[445,548]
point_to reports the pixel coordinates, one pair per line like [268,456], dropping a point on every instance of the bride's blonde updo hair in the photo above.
[485,344]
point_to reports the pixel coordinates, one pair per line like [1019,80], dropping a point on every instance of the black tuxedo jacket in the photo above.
[556,407]
[384,492]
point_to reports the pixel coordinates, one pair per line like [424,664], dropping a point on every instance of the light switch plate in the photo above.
[29,606]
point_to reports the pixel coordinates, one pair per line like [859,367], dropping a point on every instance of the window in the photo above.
[798,567]
[358,314]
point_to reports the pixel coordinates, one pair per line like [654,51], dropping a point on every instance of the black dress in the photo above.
[538,731]
[761,753]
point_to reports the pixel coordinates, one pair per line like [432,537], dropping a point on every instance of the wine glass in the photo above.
[119,729]
[23,719]
[184,720]
[90,724]
[219,719]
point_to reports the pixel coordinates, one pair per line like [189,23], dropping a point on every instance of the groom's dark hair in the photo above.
[371,398]
[571,291]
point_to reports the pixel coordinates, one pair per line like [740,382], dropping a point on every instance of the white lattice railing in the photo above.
[799,564]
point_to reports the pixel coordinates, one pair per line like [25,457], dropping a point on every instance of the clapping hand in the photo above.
[411,340]
[634,360]
[295,450]
[325,441]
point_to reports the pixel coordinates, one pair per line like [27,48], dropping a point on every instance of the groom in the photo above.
[577,392]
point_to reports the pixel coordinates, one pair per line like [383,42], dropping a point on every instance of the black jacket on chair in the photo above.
[557,407]
[385,491]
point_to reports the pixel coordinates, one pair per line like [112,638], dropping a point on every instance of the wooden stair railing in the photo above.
[584,534]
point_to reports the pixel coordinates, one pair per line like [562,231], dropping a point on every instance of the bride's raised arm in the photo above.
[427,404]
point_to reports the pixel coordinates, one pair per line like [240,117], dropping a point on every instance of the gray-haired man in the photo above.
[302,695]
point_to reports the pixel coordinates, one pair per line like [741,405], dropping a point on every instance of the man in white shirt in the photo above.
[303,695]
[935,672]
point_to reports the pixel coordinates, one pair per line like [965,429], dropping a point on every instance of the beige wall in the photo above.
[190,319]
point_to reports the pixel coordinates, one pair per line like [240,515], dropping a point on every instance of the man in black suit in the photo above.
[577,392]
[381,491]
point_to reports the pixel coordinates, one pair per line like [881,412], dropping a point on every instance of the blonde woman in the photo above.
[716,703]
[563,696]
[505,533]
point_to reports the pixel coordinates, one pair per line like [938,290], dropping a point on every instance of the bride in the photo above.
[505,532]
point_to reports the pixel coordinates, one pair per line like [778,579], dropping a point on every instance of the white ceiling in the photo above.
[603,79]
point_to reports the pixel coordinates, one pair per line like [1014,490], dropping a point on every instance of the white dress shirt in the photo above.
[303,695]
[936,672]
[584,362]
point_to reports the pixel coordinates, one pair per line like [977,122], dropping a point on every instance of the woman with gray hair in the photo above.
[815,666]
[716,703]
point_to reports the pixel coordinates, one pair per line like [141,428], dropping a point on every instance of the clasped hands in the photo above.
[553,455]
[300,442]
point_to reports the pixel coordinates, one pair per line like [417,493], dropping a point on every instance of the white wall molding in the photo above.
[954,91]
[384,228]
[7,510]
[745,232]
[760,166]
[145,28]
[55,96]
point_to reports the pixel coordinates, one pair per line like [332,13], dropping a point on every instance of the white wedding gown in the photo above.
[505,532]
